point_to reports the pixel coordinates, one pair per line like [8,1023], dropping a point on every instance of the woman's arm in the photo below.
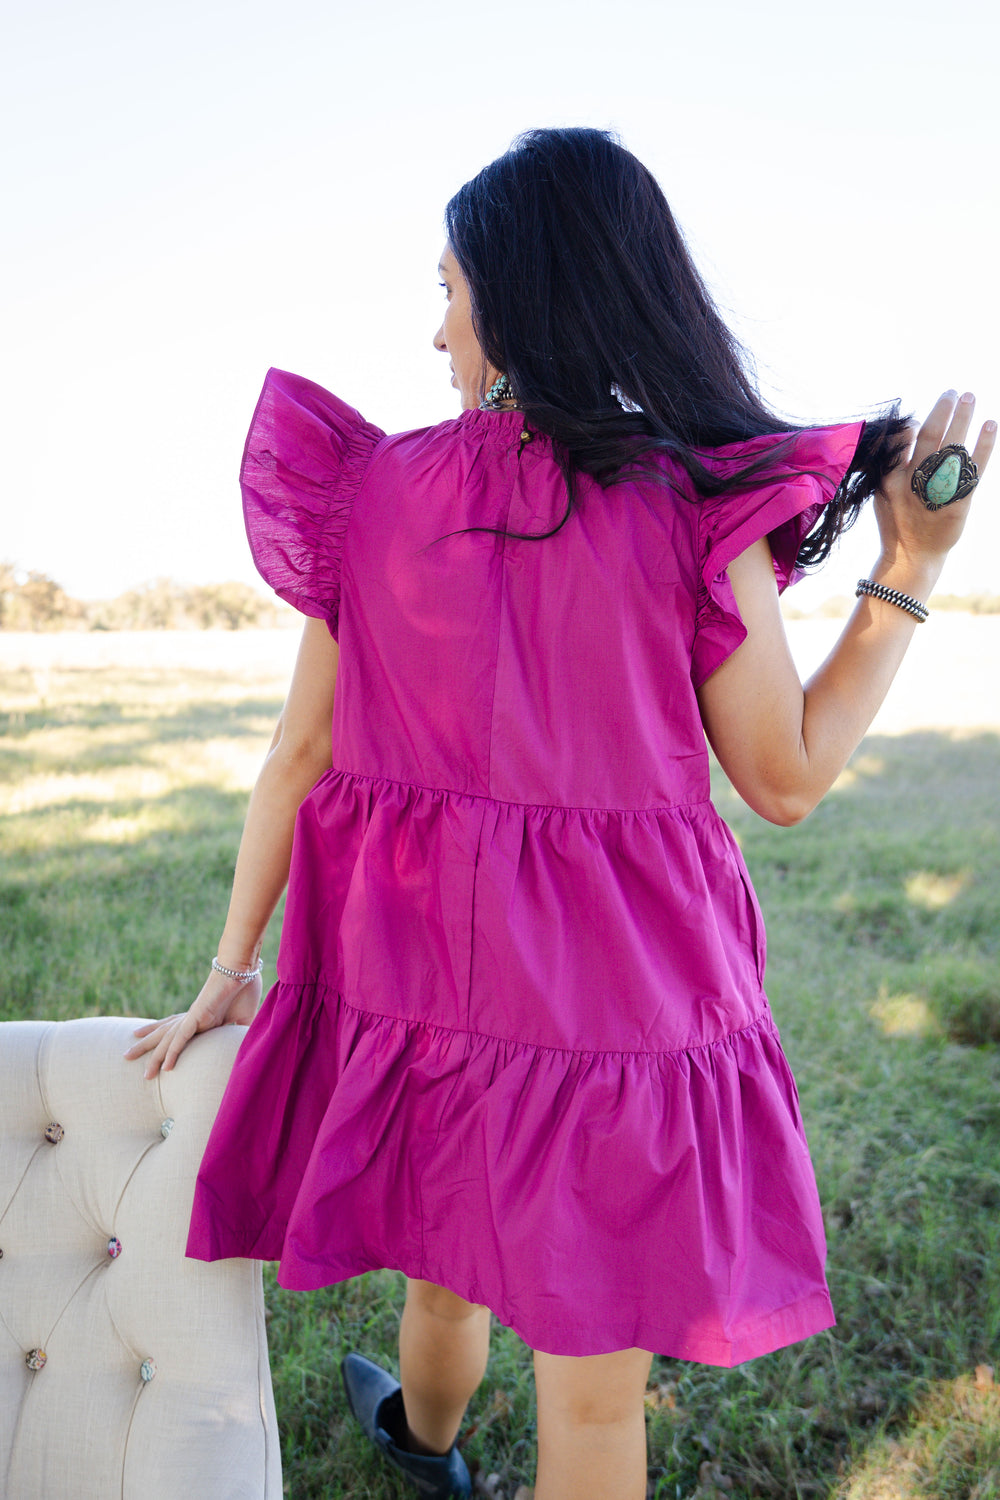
[299,754]
[783,745]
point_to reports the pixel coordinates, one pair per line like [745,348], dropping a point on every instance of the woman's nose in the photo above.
[439,342]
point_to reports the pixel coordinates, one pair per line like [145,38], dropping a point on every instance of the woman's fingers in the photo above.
[162,1040]
[935,424]
[931,436]
[153,1048]
[149,1036]
[949,422]
[182,1033]
[958,428]
[170,1044]
[984,446]
[148,1029]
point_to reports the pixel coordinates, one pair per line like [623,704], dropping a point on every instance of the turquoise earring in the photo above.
[499,391]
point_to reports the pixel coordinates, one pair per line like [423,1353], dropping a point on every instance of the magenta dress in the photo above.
[519,1044]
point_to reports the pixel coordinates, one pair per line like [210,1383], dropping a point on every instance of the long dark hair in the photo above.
[584,294]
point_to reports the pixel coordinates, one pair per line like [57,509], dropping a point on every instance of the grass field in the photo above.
[123,788]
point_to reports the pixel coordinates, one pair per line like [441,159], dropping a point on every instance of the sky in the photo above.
[196,191]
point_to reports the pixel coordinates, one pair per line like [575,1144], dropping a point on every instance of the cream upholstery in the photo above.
[87,1425]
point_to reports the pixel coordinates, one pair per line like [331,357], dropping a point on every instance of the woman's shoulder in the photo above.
[478,428]
[298,404]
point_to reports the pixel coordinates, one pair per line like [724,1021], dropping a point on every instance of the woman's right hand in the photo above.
[222,1002]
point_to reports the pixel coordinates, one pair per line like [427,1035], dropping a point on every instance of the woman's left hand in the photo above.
[914,538]
[782,745]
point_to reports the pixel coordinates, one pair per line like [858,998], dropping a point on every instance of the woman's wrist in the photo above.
[916,579]
[235,955]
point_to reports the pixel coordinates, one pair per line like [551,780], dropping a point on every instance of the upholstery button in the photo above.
[166,1128]
[35,1358]
[54,1133]
[114,1247]
[147,1370]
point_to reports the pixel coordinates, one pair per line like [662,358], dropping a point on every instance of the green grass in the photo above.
[123,797]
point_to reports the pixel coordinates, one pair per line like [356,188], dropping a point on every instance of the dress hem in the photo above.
[785,1326]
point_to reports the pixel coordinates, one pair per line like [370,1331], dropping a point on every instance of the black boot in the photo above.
[377,1402]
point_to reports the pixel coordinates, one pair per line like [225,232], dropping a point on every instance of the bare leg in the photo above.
[444,1344]
[591,1425]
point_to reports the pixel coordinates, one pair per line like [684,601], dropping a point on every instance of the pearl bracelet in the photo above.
[245,974]
[892,596]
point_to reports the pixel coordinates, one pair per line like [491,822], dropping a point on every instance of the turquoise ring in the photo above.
[944,477]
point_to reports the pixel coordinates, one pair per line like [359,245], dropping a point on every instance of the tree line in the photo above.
[34,601]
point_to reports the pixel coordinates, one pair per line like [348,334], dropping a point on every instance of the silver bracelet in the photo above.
[892,596]
[245,974]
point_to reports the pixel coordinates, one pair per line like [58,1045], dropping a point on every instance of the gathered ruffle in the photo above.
[595,1201]
[784,509]
[305,459]
[563,927]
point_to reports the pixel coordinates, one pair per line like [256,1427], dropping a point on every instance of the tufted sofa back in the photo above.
[127,1372]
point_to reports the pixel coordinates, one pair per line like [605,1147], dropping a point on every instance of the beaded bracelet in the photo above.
[245,974]
[892,596]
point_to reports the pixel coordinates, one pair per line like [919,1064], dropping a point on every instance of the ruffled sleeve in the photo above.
[305,459]
[783,509]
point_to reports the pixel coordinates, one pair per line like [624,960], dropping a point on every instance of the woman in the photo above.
[519,1046]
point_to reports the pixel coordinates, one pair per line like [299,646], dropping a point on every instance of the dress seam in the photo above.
[501,612]
[486,1036]
[450,791]
[472,914]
